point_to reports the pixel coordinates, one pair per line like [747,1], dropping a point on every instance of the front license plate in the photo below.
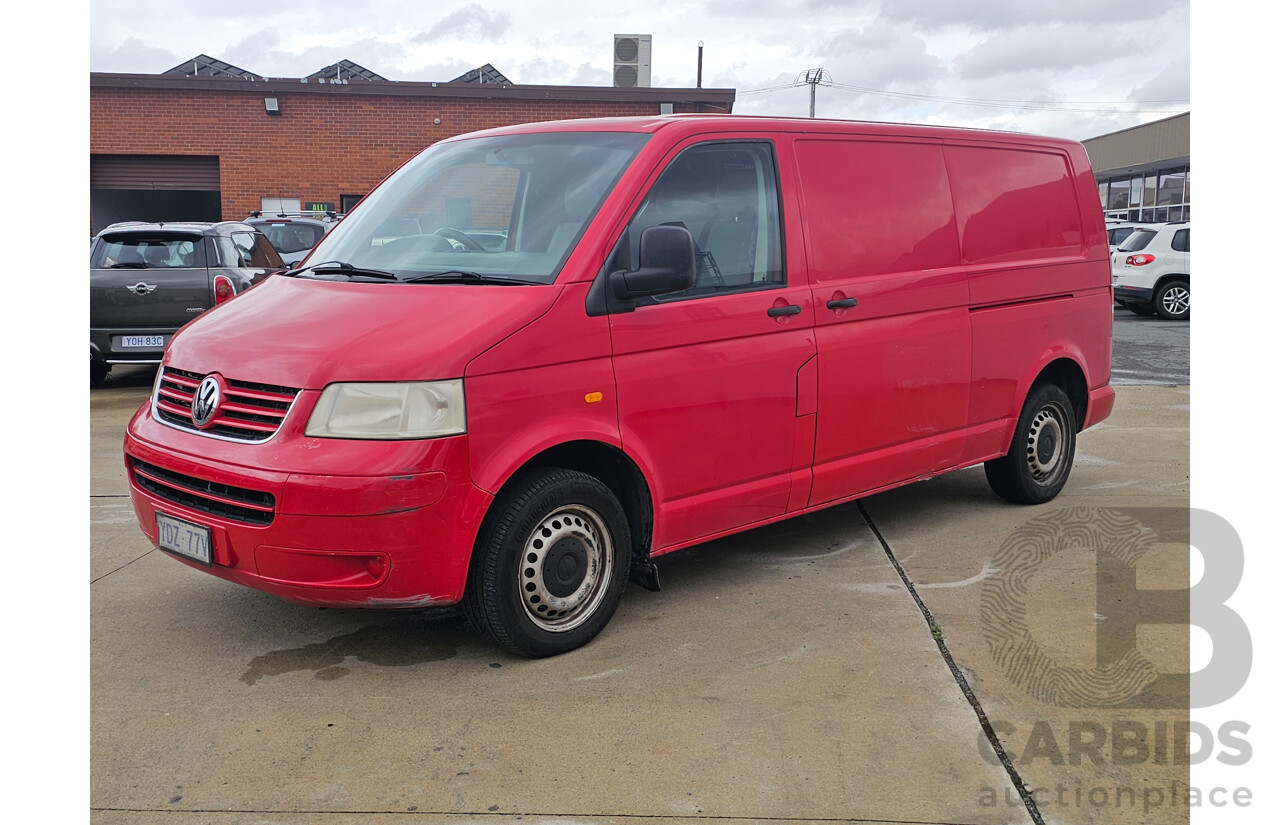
[142,341]
[184,538]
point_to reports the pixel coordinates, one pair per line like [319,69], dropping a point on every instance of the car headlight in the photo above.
[419,409]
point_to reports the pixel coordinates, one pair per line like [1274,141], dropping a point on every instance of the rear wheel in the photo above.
[1173,300]
[1044,446]
[550,565]
[98,372]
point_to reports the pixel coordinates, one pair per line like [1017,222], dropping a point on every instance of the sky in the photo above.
[1072,69]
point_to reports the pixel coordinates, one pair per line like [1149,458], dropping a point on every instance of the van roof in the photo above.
[696,123]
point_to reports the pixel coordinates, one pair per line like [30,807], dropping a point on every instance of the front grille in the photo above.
[250,412]
[222,500]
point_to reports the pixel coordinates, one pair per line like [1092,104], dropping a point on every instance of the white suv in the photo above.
[1151,271]
[1118,231]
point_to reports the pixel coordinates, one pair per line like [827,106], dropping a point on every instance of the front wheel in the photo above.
[1173,300]
[1044,447]
[550,564]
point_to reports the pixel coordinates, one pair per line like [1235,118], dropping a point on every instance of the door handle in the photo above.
[843,303]
[790,309]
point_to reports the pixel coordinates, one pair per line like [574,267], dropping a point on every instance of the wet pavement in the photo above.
[852,664]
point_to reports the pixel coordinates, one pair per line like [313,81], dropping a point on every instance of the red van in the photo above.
[538,357]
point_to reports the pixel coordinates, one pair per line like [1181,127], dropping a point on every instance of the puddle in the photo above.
[386,644]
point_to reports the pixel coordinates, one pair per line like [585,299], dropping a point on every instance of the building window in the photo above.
[1163,195]
[1171,186]
[1135,192]
[273,206]
[1119,196]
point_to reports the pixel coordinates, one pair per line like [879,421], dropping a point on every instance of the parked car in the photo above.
[293,234]
[1117,231]
[1151,271]
[649,362]
[148,279]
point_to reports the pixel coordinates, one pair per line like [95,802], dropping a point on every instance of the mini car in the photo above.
[148,279]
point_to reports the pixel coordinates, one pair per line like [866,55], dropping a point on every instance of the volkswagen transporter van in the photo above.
[607,340]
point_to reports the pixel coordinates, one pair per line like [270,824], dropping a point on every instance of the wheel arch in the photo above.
[1172,276]
[1066,373]
[613,468]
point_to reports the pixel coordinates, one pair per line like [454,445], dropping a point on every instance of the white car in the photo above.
[1118,231]
[1151,271]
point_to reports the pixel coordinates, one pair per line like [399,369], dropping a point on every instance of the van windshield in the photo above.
[509,208]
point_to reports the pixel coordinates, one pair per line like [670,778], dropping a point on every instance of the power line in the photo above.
[1047,106]
[1032,105]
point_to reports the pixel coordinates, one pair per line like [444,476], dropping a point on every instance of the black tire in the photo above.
[1173,300]
[544,518]
[98,373]
[1140,309]
[1044,447]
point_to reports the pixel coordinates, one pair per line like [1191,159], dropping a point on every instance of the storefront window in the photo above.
[1171,184]
[1119,195]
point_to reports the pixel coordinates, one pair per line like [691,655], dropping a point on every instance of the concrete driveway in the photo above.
[850,665]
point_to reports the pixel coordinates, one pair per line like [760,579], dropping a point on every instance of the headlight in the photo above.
[423,409]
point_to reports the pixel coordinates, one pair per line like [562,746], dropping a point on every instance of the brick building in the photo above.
[215,143]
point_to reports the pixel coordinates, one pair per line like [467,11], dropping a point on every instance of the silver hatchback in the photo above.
[148,279]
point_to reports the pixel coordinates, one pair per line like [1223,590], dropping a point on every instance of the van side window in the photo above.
[726,195]
[1181,240]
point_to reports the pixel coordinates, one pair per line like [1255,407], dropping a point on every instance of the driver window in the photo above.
[726,195]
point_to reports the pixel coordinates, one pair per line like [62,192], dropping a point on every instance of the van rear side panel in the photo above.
[1018,214]
[1038,276]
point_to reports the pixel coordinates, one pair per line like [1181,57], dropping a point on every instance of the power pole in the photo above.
[813,77]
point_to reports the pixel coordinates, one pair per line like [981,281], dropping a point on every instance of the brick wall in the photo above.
[321,146]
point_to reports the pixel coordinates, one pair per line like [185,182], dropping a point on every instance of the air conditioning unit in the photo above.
[632,58]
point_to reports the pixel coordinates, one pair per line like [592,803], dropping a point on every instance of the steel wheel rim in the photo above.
[1176,300]
[565,568]
[1047,444]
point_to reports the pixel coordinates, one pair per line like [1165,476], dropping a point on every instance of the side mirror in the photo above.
[667,264]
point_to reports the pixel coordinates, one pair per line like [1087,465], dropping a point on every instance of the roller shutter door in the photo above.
[186,172]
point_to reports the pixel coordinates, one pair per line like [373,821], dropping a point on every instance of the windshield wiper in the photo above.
[458,276]
[344,268]
[129,265]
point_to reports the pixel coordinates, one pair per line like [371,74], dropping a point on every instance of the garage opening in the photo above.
[153,188]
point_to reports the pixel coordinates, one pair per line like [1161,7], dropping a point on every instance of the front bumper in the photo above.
[332,538]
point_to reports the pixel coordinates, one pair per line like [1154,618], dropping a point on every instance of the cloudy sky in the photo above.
[1076,69]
